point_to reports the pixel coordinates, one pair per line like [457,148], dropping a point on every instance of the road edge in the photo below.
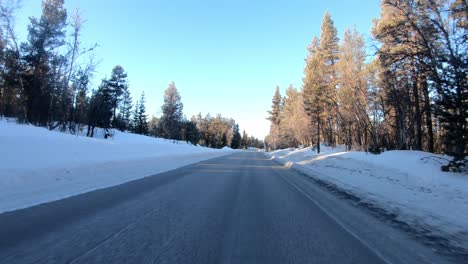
[443,244]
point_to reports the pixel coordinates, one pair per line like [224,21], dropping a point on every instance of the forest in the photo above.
[407,92]
[47,81]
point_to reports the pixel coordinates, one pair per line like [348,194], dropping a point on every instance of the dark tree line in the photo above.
[412,95]
[46,81]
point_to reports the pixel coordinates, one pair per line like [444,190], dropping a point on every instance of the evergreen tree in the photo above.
[43,74]
[329,51]
[118,86]
[100,110]
[191,133]
[245,140]
[80,85]
[295,126]
[141,125]
[153,128]
[135,117]
[237,138]
[13,67]
[423,49]
[2,71]
[314,93]
[329,44]
[46,35]
[275,119]
[215,132]
[352,93]
[12,87]
[125,109]
[171,118]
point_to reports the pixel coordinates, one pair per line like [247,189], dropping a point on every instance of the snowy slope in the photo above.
[408,184]
[38,165]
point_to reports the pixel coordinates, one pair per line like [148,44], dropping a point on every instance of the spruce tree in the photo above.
[191,132]
[100,110]
[117,84]
[125,109]
[329,50]
[135,117]
[171,118]
[275,119]
[142,122]
[237,138]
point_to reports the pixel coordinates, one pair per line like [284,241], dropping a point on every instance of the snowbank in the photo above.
[38,165]
[408,184]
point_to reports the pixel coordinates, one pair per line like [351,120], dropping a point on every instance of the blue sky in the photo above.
[225,57]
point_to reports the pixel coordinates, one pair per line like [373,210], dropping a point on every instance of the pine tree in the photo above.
[329,44]
[217,129]
[117,84]
[100,110]
[125,109]
[2,70]
[295,125]
[191,133]
[237,138]
[275,119]
[329,51]
[141,126]
[135,117]
[245,140]
[153,128]
[354,121]
[79,103]
[46,35]
[13,96]
[424,49]
[314,90]
[171,118]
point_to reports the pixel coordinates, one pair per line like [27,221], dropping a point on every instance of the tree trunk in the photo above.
[318,135]
[417,114]
[428,112]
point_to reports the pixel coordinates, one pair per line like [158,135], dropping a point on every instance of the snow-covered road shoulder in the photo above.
[39,166]
[408,184]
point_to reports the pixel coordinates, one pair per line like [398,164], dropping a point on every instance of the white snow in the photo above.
[39,166]
[409,184]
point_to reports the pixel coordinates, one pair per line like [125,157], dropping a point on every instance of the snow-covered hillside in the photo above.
[408,184]
[38,165]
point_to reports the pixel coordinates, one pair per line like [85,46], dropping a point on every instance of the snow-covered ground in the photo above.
[38,165]
[408,184]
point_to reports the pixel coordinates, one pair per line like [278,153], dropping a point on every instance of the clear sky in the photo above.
[225,57]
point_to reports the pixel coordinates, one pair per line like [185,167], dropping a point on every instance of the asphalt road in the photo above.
[241,208]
